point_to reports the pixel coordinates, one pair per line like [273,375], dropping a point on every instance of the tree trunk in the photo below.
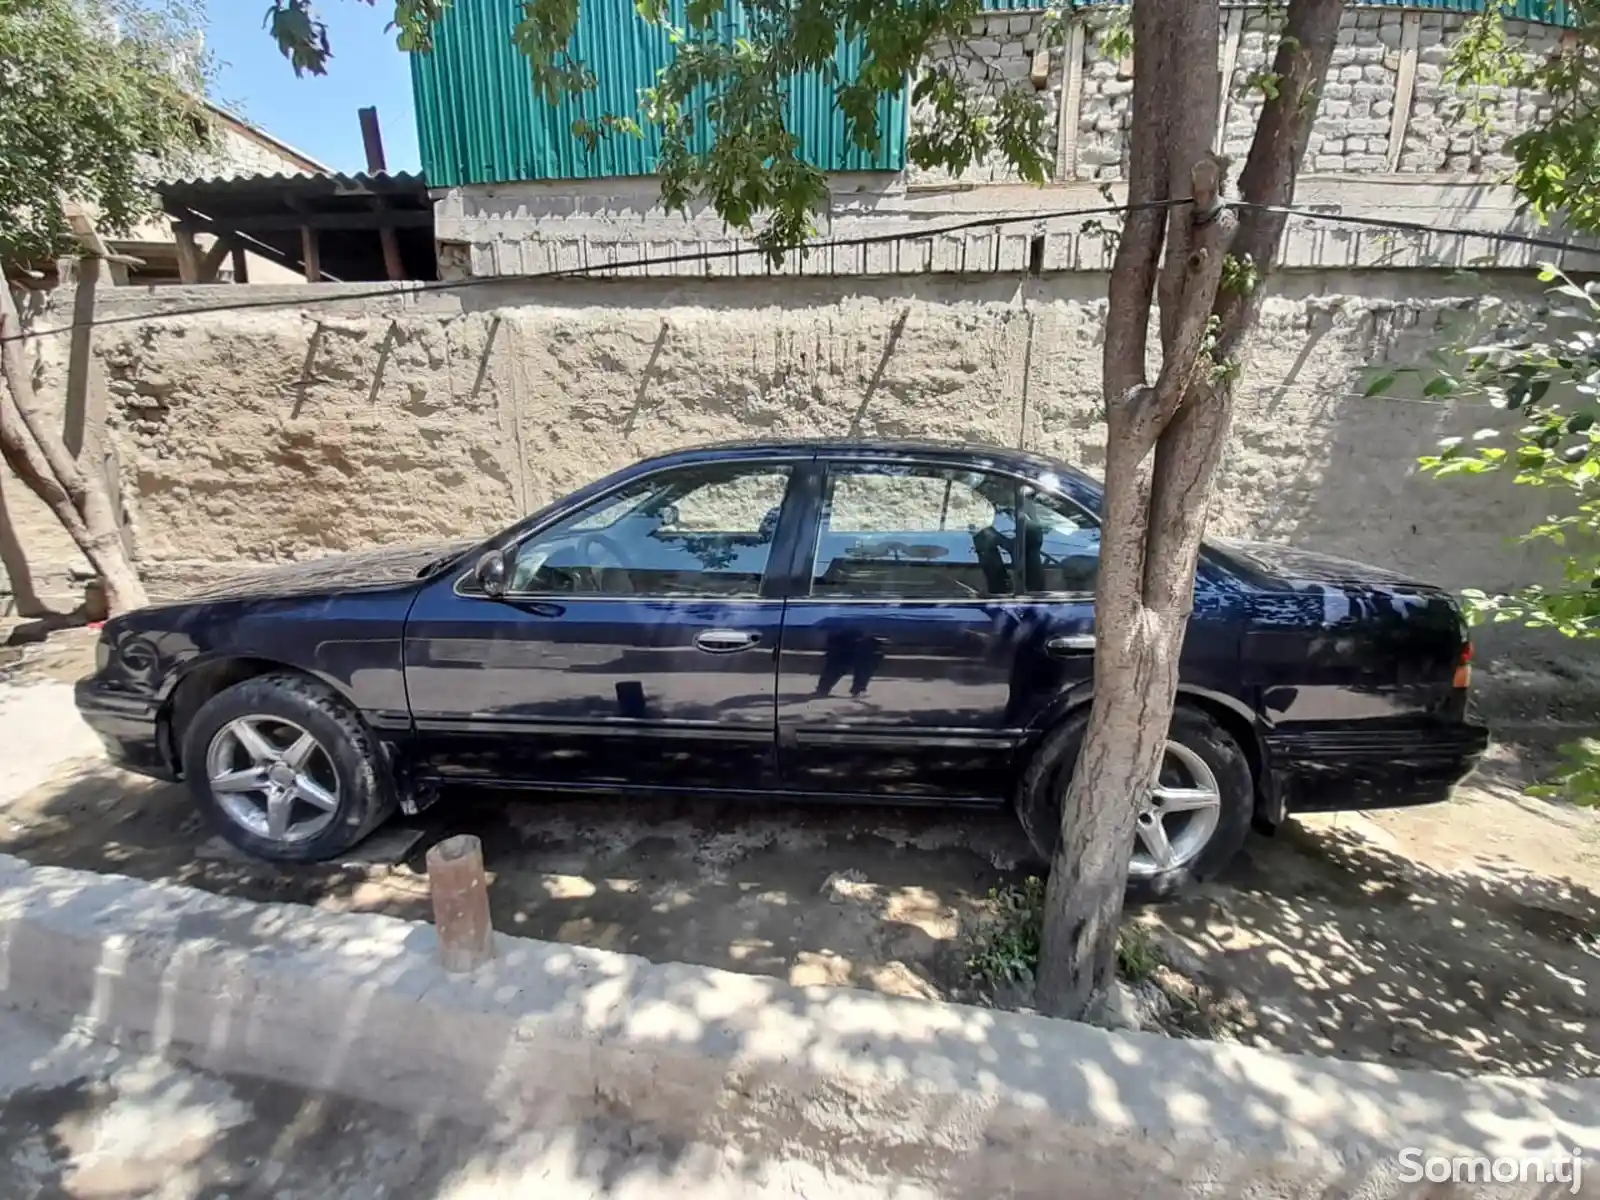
[39,457]
[1164,441]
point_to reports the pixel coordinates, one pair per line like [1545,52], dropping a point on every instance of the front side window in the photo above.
[699,531]
[915,532]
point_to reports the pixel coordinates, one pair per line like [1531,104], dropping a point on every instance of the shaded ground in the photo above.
[1459,936]
[84,1120]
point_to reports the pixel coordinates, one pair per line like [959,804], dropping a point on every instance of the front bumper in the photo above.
[129,725]
[1332,770]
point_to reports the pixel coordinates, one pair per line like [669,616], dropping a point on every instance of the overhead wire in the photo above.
[392,290]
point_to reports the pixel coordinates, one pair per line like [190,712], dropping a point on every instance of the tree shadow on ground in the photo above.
[829,894]
[1343,947]
[215,1136]
[1337,945]
[625,1077]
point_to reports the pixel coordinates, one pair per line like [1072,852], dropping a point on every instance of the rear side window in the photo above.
[915,532]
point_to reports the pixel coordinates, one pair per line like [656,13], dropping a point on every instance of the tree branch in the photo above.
[1305,49]
[1192,126]
[18,450]
[1190,446]
[1133,271]
[41,459]
[1191,288]
[1186,461]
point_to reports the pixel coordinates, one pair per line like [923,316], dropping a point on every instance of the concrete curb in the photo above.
[935,1098]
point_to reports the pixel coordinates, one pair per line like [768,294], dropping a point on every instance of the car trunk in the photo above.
[1335,640]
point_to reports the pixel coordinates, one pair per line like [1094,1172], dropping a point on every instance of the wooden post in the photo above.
[460,903]
[103,268]
[372,140]
[393,267]
[188,254]
[1405,84]
[311,254]
[212,262]
[241,266]
[1230,58]
[1071,106]
[377,164]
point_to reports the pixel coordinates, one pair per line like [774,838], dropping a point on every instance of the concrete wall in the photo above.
[888,228]
[238,151]
[258,437]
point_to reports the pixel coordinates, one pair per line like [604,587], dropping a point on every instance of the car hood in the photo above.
[384,566]
[1300,568]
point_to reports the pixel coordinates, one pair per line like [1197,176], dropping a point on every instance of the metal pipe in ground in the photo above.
[460,892]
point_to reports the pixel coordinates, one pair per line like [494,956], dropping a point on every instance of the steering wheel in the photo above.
[605,564]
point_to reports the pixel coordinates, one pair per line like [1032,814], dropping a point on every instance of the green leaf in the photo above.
[1440,385]
[1381,383]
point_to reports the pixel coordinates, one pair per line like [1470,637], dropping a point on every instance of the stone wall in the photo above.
[244,439]
[1005,51]
[1105,114]
[1437,136]
[1392,140]
[1379,47]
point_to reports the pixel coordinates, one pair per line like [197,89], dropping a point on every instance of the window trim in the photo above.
[793,466]
[824,468]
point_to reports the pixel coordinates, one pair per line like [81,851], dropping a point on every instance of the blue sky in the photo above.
[317,115]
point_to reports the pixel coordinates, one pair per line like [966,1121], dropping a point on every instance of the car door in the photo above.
[634,645]
[916,655]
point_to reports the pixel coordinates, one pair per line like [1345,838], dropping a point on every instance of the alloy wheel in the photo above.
[272,778]
[1178,816]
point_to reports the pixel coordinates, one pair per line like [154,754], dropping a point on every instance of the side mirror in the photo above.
[491,573]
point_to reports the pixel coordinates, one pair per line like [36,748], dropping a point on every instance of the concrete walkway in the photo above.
[43,734]
[82,1119]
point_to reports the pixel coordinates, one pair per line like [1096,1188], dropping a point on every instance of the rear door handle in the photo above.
[1068,645]
[725,641]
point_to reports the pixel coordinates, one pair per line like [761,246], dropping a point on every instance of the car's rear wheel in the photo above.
[285,769]
[1191,822]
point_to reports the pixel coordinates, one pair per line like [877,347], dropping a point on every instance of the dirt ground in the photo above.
[1464,937]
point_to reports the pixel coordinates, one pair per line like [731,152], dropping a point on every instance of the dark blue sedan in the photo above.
[844,621]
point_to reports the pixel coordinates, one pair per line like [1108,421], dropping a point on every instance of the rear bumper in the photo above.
[1330,770]
[129,725]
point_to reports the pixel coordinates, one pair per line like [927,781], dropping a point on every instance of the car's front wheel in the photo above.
[285,769]
[1191,822]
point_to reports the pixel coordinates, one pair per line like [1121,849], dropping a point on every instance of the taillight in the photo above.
[1463,677]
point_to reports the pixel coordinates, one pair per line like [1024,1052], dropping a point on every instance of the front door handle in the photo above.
[1068,645]
[725,641]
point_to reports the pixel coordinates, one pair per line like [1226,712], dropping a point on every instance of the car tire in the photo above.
[1196,736]
[353,788]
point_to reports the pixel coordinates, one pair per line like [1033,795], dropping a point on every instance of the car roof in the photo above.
[1023,461]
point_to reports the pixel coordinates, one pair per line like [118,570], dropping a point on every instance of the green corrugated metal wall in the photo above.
[480,121]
